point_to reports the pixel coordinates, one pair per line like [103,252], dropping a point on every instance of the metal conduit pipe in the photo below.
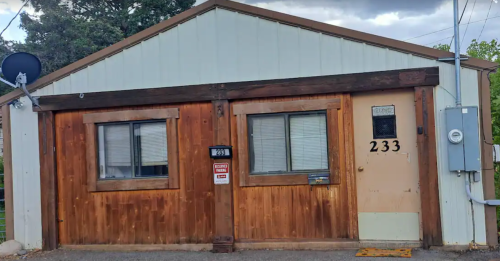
[489,202]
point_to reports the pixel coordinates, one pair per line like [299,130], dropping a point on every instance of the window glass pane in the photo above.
[384,127]
[268,143]
[308,141]
[151,149]
[114,151]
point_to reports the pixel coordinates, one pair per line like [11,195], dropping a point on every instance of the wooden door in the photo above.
[297,212]
[387,173]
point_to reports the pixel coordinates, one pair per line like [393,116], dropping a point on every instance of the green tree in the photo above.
[484,50]
[443,47]
[64,31]
[5,49]
[490,51]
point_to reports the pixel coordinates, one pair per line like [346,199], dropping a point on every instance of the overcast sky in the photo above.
[398,19]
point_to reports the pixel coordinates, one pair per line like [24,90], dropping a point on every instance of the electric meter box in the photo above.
[462,128]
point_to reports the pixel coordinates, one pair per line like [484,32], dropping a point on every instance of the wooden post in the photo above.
[427,166]
[224,223]
[7,160]
[48,180]
[488,170]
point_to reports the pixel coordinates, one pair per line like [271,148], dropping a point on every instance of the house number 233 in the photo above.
[385,145]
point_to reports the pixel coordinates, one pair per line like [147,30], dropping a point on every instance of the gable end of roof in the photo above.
[328,29]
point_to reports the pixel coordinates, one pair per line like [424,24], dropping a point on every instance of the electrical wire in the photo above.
[444,29]
[470,16]
[491,3]
[439,40]
[460,20]
[18,12]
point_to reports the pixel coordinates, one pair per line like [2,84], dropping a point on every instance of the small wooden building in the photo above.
[117,155]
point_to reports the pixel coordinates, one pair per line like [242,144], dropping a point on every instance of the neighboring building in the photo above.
[118,152]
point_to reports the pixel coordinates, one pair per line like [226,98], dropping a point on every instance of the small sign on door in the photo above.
[221,173]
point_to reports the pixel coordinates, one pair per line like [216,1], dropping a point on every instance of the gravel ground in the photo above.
[250,255]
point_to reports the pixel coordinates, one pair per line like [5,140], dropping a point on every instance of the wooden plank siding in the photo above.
[488,168]
[48,180]
[428,172]
[295,211]
[224,237]
[169,216]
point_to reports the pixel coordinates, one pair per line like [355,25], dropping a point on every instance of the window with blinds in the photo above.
[288,142]
[268,142]
[308,142]
[133,150]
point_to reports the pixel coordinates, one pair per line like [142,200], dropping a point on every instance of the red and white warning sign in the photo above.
[221,173]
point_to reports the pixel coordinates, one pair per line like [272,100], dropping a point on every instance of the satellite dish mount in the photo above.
[19,70]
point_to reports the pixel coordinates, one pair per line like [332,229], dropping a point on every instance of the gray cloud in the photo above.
[421,17]
[366,8]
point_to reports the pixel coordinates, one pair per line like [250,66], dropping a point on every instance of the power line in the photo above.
[439,40]
[470,16]
[18,12]
[444,29]
[460,20]
[491,3]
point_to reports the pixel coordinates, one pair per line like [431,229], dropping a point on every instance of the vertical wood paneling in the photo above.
[292,212]
[428,172]
[48,184]
[137,217]
[350,176]
[488,172]
[223,193]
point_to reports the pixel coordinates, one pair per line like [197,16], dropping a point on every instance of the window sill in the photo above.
[131,184]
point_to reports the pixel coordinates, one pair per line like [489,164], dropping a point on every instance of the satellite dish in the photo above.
[19,70]
[21,62]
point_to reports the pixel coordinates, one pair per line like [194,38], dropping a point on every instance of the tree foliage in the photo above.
[64,31]
[484,50]
[443,47]
[129,16]
[58,38]
[5,49]
[490,51]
